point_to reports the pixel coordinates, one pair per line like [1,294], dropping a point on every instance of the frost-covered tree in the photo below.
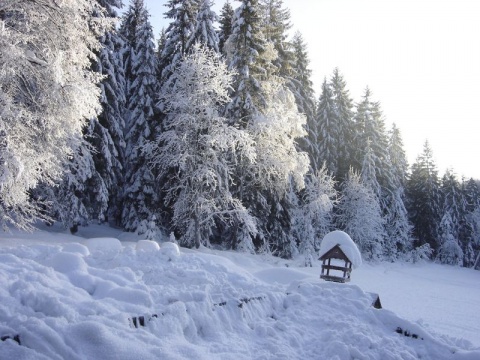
[449,251]
[95,169]
[275,132]
[325,146]
[204,31]
[344,118]
[139,197]
[360,216]
[225,21]
[183,14]
[423,192]
[314,216]
[47,90]
[196,145]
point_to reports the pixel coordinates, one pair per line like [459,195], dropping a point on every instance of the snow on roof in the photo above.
[345,242]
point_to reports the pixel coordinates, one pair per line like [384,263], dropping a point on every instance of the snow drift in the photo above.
[80,300]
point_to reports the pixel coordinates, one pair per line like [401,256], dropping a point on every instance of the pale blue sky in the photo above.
[420,58]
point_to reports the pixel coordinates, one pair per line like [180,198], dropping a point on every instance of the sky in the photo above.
[420,59]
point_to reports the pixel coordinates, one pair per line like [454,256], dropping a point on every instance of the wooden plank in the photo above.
[334,278]
[334,267]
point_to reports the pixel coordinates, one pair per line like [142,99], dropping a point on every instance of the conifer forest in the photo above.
[211,135]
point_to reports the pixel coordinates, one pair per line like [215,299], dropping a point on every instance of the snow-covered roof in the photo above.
[345,242]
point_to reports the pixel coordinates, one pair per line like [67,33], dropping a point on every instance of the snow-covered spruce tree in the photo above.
[398,158]
[449,251]
[47,91]
[344,118]
[183,14]
[245,48]
[204,31]
[423,193]
[453,226]
[139,197]
[276,24]
[313,218]
[370,126]
[360,216]
[399,230]
[325,146]
[196,145]
[368,175]
[225,29]
[108,133]
[301,85]
[471,193]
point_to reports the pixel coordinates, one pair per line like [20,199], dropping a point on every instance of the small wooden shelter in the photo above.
[336,272]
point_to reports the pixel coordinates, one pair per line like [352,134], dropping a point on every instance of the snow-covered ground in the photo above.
[72,298]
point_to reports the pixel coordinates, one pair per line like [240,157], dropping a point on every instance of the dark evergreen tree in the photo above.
[225,20]
[344,119]
[139,198]
[423,193]
[204,31]
[183,14]
[276,24]
[397,225]
[245,48]
[370,126]
[106,132]
[325,146]
[162,40]
[398,158]
[472,195]
[300,84]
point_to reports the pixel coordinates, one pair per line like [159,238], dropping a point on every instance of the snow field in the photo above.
[76,300]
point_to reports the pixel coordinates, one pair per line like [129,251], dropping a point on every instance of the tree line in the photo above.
[213,136]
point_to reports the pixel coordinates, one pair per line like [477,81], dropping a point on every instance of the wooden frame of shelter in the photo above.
[335,253]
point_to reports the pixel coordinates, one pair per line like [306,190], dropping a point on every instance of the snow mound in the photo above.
[104,246]
[170,250]
[147,246]
[345,242]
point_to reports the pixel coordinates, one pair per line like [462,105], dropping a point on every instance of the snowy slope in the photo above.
[71,298]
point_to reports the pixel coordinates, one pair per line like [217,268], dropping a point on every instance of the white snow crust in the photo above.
[66,300]
[347,245]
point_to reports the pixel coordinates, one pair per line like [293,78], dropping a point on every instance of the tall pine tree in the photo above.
[423,192]
[344,119]
[139,198]
[204,31]
[225,20]
[325,146]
